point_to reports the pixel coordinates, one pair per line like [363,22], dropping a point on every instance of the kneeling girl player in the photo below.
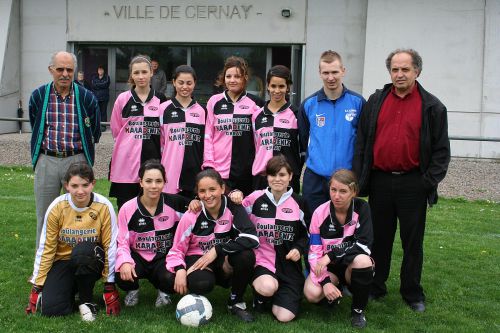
[77,246]
[214,246]
[341,236]
[281,219]
[147,226]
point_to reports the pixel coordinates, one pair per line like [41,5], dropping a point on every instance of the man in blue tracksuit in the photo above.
[328,121]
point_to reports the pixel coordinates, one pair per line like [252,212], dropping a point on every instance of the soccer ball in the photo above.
[193,310]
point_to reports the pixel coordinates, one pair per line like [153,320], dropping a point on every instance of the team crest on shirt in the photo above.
[141,222]
[194,115]
[87,121]
[320,120]
[204,225]
[223,222]
[163,218]
[284,121]
[350,114]
[244,107]
[93,216]
[287,210]
[153,108]
[264,206]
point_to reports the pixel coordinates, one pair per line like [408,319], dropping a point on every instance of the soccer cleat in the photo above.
[162,300]
[132,298]
[88,311]
[358,319]
[240,311]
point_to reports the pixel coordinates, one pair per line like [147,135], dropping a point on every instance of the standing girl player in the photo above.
[135,126]
[275,130]
[77,246]
[146,231]
[229,147]
[182,134]
[341,238]
[281,218]
[214,246]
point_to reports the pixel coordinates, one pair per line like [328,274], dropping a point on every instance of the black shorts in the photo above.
[338,270]
[221,278]
[289,293]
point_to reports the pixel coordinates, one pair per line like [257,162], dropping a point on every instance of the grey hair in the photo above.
[54,55]
[416,59]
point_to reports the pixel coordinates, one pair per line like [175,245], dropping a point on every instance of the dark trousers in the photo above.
[61,285]
[103,107]
[154,271]
[315,189]
[402,197]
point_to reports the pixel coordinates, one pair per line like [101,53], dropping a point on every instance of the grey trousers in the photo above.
[49,174]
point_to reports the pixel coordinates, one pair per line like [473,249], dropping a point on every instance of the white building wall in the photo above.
[338,25]
[490,125]
[9,63]
[43,31]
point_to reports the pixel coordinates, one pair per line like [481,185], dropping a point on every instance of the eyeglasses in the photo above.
[61,70]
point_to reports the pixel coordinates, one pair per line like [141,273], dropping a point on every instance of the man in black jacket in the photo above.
[402,153]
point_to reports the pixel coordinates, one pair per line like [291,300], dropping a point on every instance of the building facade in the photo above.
[459,41]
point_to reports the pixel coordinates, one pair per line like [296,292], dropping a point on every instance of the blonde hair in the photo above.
[346,177]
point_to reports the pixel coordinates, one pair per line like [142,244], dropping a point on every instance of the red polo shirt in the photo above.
[397,139]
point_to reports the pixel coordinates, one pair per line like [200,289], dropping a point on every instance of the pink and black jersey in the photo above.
[229,147]
[135,127]
[341,242]
[197,233]
[274,134]
[182,138]
[281,226]
[149,236]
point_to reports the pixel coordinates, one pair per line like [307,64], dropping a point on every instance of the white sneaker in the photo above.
[163,299]
[88,311]
[132,298]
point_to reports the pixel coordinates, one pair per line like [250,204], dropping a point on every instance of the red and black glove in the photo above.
[34,300]
[111,299]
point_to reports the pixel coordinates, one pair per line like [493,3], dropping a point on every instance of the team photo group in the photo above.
[259,197]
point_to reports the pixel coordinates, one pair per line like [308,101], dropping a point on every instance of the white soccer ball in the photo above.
[193,310]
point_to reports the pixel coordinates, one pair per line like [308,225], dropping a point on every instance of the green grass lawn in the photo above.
[461,279]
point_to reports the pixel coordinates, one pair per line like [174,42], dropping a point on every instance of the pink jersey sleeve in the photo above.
[123,239]
[208,153]
[316,249]
[180,247]
[117,122]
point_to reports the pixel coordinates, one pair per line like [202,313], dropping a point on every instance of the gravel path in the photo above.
[474,179]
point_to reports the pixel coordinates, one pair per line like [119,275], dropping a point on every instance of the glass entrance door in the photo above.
[207,60]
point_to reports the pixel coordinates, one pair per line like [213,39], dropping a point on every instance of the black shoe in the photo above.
[358,319]
[418,306]
[240,311]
